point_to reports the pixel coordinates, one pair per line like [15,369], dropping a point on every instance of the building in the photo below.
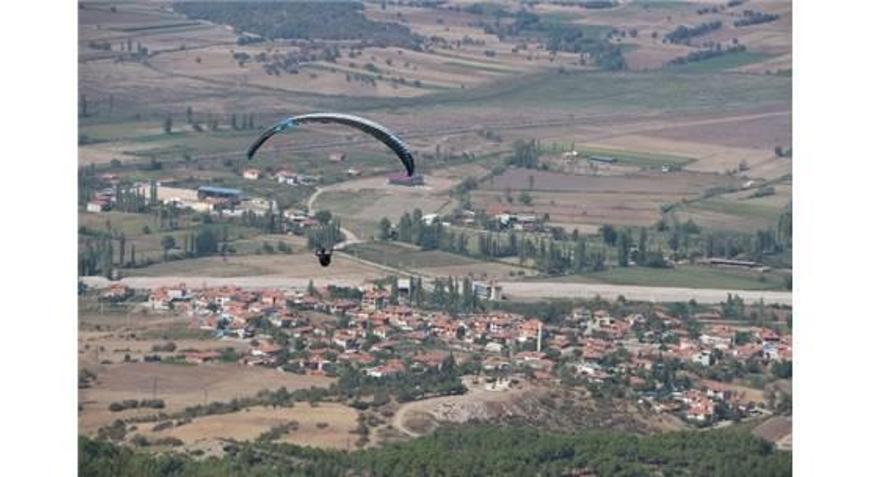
[97,206]
[603,159]
[225,193]
[400,178]
[251,174]
[487,290]
[285,177]
[337,157]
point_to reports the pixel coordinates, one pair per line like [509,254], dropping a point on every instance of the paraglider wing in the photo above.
[286,123]
[369,127]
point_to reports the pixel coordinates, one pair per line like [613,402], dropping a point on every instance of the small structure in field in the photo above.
[399,178]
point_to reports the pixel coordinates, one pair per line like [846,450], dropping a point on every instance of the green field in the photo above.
[721,63]
[639,159]
[729,213]
[688,276]
[406,256]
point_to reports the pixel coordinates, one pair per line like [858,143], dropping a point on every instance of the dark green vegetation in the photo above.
[683,34]
[562,36]
[339,20]
[716,62]
[467,451]
[751,17]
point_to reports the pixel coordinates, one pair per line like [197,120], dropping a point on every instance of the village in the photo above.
[668,364]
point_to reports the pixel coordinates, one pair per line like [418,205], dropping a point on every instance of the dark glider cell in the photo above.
[368,127]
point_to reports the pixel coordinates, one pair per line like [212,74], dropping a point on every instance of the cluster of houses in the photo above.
[510,220]
[375,332]
[283,176]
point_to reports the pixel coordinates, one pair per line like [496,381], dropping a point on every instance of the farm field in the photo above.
[431,263]
[327,425]
[738,210]
[180,386]
[583,200]
[298,265]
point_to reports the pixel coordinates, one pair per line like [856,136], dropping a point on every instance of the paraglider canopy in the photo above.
[369,127]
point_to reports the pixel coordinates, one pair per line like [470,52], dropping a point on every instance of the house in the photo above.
[530,330]
[701,411]
[344,339]
[285,176]
[392,367]
[374,299]
[493,347]
[97,205]
[703,358]
[265,349]
[199,357]
[117,292]
[251,174]
[434,359]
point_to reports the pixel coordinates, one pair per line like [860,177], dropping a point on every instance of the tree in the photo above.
[385,229]
[525,154]
[167,125]
[323,216]
[206,242]
[642,248]
[610,236]
[168,243]
[579,258]
[525,197]
[624,245]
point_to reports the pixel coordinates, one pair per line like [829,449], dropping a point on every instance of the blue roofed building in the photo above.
[232,195]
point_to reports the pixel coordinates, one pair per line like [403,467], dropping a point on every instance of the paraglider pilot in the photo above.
[371,128]
[325,256]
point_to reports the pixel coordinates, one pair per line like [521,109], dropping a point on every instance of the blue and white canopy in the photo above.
[369,127]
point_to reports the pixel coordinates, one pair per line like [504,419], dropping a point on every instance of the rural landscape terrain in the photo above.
[589,273]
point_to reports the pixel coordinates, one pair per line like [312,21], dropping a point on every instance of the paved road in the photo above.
[512,290]
[529,290]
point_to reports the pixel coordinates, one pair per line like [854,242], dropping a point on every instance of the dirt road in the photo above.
[349,237]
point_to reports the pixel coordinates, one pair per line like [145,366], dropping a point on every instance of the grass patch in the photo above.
[479,67]
[687,276]
[406,257]
[741,208]
[720,63]
[639,159]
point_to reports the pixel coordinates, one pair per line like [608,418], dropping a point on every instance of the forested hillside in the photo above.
[468,451]
[301,20]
